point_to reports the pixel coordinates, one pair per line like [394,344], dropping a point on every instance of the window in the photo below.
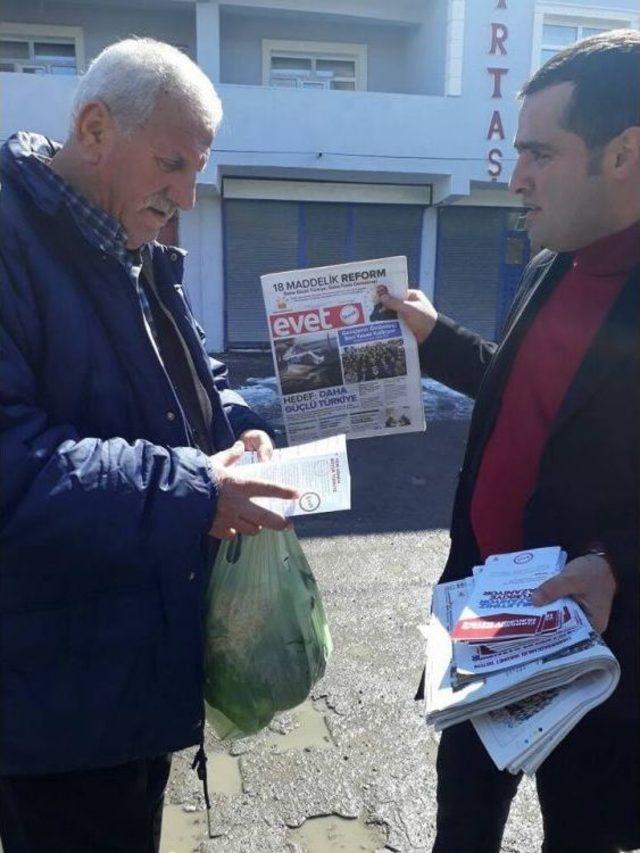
[557,26]
[26,49]
[314,65]
[555,37]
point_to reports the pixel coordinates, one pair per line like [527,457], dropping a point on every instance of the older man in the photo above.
[552,457]
[118,443]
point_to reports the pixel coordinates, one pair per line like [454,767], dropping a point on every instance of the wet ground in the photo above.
[352,769]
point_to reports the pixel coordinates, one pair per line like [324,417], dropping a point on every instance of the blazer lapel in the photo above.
[489,398]
[540,288]
[613,345]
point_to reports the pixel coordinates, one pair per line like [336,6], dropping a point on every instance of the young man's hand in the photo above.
[416,311]
[590,581]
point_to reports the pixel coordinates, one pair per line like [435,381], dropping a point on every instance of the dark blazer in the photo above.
[588,486]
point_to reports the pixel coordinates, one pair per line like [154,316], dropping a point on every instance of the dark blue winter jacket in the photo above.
[104,507]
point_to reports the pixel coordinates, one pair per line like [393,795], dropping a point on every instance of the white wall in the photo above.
[387,47]
[428,252]
[34,103]
[426,52]
[366,135]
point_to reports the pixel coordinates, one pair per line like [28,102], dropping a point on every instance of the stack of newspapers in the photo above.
[524,675]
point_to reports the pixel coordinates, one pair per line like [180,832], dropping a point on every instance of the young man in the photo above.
[552,456]
[117,442]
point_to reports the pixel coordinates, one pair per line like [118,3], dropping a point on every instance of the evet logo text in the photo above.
[315,320]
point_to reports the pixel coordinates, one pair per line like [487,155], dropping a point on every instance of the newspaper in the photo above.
[344,363]
[520,712]
[319,470]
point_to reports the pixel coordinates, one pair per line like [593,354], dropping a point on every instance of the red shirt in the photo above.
[551,352]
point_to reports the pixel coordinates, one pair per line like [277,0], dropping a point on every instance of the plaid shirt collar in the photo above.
[97,226]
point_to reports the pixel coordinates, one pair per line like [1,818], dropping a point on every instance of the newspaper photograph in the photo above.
[344,363]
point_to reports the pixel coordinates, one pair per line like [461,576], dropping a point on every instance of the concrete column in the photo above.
[428,251]
[455,47]
[208,38]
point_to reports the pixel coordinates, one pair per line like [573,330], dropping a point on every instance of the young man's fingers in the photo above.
[557,587]
[415,296]
[391,302]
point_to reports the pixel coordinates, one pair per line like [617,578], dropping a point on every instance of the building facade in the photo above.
[353,129]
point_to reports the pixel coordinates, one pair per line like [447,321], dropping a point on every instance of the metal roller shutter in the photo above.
[324,233]
[270,236]
[381,231]
[259,237]
[468,266]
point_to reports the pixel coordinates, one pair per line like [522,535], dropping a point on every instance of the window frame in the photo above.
[30,33]
[569,15]
[314,50]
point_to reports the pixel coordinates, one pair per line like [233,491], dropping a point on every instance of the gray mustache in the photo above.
[162,204]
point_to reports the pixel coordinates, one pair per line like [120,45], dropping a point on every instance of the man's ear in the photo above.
[624,154]
[95,131]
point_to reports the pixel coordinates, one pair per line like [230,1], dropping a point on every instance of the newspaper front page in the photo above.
[344,363]
[521,712]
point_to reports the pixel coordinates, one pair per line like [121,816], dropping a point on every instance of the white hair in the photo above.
[130,75]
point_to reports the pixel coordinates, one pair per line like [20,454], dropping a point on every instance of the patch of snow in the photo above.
[440,402]
[263,397]
[444,404]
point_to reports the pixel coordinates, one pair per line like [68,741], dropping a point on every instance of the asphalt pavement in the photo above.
[353,769]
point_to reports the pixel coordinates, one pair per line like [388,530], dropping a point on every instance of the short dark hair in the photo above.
[605,70]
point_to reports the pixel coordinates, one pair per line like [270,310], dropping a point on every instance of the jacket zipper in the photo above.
[149,338]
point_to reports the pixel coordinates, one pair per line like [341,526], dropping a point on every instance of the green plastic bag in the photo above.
[266,635]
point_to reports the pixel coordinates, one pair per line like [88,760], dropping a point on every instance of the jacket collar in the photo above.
[21,158]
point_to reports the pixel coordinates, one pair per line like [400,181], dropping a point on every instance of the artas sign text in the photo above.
[497,48]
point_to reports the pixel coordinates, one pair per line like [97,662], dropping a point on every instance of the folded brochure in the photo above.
[499,607]
[319,470]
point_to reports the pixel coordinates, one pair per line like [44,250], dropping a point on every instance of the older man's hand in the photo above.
[416,310]
[236,513]
[590,581]
[258,441]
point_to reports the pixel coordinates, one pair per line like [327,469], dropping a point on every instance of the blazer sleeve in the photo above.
[456,356]
[622,547]
[459,357]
